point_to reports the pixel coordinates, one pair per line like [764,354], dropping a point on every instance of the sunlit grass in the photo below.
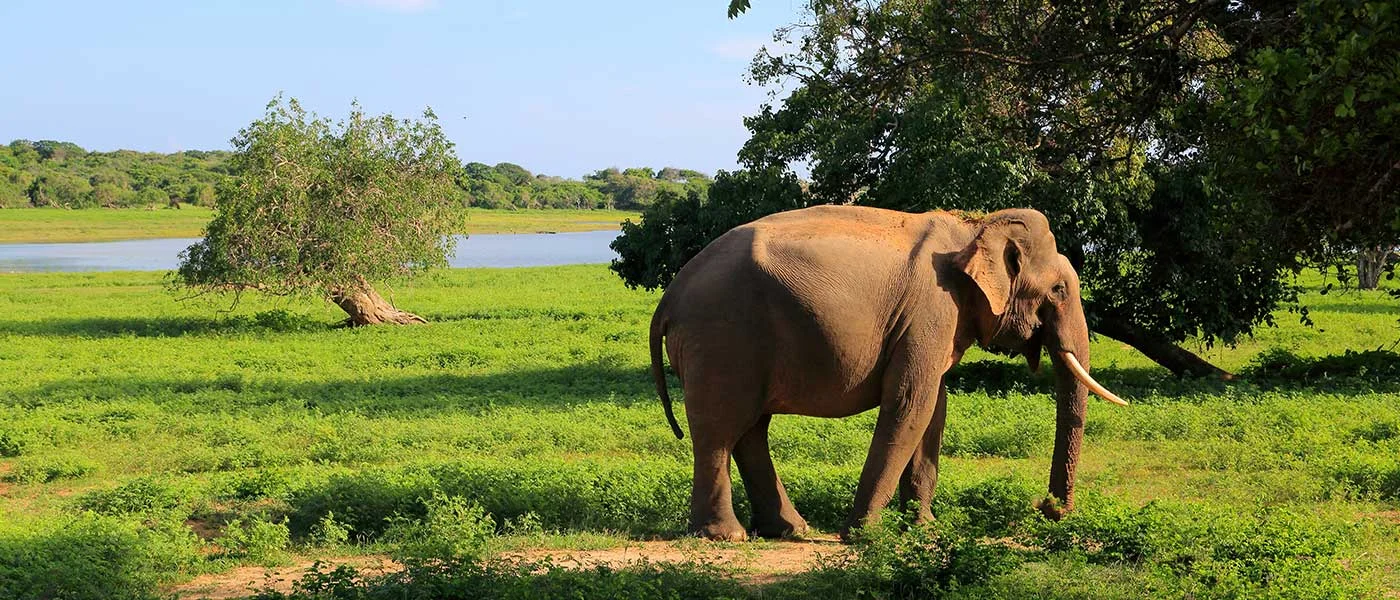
[529,394]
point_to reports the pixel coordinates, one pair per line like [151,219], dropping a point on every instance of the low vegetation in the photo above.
[38,226]
[144,441]
[55,174]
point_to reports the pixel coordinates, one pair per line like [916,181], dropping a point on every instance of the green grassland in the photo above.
[40,225]
[145,440]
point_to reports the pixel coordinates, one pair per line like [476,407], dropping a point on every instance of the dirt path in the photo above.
[755,563]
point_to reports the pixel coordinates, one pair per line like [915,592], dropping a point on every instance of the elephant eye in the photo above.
[1060,291]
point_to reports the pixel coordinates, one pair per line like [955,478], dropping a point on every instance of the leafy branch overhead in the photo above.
[324,208]
[1190,155]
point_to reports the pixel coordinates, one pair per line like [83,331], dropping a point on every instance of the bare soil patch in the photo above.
[753,563]
[245,581]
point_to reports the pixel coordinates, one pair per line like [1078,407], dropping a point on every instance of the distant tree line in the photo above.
[49,173]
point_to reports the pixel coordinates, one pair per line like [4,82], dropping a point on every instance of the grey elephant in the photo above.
[830,311]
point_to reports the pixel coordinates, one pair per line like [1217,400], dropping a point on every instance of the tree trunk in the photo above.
[1178,360]
[1370,263]
[366,307]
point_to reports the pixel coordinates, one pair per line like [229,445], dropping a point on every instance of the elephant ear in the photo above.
[993,260]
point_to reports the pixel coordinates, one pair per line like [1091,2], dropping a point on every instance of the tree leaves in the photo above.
[320,205]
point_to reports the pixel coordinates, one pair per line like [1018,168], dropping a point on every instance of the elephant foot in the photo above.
[722,531]
[784,526]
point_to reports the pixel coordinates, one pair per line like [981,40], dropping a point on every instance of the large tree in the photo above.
[1184,150]
[325,208]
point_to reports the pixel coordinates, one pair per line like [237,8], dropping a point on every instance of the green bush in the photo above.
[1209,552]
[95,557]
[897,559]
[1374,366]
[330,532]
[12,444]
[254,540]
[44,470]
[144,495]
[452,529]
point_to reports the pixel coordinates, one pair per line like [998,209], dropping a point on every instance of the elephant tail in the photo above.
[658,371]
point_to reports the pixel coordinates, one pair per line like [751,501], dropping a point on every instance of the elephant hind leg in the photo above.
[773,514]
[711,495]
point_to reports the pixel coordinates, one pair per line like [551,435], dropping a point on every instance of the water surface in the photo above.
[479,250]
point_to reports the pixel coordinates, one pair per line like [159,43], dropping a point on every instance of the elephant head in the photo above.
[1032,301]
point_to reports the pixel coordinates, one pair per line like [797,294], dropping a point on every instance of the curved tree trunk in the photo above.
[366,307]
[1370,264]
[1178,360]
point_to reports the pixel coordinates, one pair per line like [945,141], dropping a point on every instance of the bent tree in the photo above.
[322,208]
[1189,154]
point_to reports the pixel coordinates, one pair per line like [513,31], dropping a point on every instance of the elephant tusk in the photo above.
[1084,378]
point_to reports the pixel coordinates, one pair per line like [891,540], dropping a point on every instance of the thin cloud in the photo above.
[408,6]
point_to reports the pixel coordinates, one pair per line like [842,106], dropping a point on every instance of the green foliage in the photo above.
[641,187]
[61,174]
[127,179]
[508,185]
[1187,153]
[452,529]
[143,496]
[254,540]
[91,557]
[319,207]
[1379,366]
[676,228]
[330,532]
[897,559]
[529,397]
[46,469]
[1313,120]
[1272,553]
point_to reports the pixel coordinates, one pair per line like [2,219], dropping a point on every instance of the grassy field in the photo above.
[144,441]
[40,225]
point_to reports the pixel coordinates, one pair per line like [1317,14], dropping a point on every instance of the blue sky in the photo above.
[559,87]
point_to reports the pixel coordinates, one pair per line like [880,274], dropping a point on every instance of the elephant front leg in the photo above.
[905,412]
[921,476]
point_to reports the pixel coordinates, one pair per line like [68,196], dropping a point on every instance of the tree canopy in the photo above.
[1135,125]
[47,173]
[324,208]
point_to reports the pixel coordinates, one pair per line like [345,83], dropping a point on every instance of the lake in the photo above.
[479,250]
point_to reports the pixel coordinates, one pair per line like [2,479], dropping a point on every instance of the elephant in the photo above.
[832,310]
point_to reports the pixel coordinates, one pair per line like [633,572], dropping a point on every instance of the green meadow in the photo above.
[40,225]
[146,439]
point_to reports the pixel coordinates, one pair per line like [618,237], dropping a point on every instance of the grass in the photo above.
[44,225]
[144,440]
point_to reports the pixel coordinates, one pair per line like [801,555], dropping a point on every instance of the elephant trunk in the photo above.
[1070,349]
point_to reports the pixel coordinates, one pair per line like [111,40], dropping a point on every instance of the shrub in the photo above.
[254,540]
[44,470]
[12,444]
[95,557]
[145,495]
[330,532]
[897,559]
[453,529]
